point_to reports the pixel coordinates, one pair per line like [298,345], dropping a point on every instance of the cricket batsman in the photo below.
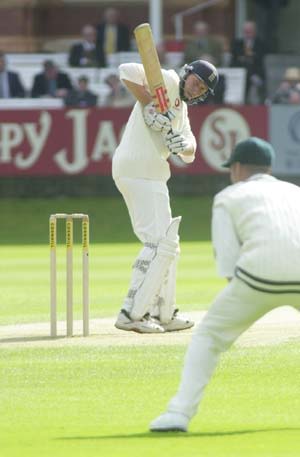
[141,170]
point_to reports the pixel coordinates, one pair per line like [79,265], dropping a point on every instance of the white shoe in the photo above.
[145,325]
[178,322]
[170,422]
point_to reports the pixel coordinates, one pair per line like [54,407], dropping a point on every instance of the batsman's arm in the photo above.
[138,91]
[133,77]
[188,155]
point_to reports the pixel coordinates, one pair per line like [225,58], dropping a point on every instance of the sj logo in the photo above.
[220,132]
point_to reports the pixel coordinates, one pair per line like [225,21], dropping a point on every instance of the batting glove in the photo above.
[157,121]
[176,143]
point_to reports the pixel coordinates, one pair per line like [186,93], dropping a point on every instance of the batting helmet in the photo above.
[206,72]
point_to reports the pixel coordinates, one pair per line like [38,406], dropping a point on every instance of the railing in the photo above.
[178,18]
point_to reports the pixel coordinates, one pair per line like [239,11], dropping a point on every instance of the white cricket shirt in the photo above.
[256,232]
[141,152]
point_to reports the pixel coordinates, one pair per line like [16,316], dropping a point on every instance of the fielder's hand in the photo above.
[175,142]
[157,121]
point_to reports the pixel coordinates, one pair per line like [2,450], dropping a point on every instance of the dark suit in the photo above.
[42,86]
[16,89]
[83,99]
[252,60]
[122,40]
[78,52]
[267,13]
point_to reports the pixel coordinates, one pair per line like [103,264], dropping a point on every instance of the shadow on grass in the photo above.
[152,435]
[29,339]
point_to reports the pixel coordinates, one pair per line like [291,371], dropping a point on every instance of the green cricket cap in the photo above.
[253,151]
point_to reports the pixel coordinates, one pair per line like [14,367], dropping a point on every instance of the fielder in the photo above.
[256,237]
[141,170]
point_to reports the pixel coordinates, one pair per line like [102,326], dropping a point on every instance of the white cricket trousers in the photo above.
[148,205]
[234,310]
[150,213]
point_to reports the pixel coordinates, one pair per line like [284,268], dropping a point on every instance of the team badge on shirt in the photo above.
[177,103]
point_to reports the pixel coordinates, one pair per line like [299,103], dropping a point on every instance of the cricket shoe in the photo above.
[145,325]
[170,422]
[178,322]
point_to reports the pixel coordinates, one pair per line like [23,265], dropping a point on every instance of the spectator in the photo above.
[84,53]
[51,82]
[203,43]
[81,96]
[118,96]
[267,13]
[112,36]
[248,52]
[294,98]
[288,91]
[10,84]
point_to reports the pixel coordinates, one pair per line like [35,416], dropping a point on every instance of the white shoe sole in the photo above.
[137,328]
[174,326]
[143,326]
[169,422]
[168,429]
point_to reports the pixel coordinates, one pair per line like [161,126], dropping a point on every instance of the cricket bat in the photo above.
[151,64]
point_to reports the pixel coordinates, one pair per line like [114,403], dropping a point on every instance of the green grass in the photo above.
[94,401]
[24,270]
[98,402]
[24,279]
[26,221]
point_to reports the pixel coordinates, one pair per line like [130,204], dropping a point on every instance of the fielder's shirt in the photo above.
[256,233]
[142,152]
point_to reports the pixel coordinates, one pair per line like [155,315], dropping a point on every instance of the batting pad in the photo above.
[167,251]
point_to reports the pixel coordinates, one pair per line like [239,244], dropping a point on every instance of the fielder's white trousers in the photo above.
[234,310]
[148,205]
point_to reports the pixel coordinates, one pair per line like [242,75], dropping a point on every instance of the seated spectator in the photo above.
[81,96]
[119,96]
[112,35]
[202,43]
[51,82]
[248,52]
[288,91]
[10,84]
[294,98]
[84,54]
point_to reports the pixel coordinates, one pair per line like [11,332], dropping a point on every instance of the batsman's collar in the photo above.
[253,151]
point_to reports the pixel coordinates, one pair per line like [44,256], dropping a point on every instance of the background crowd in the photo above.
[98,43]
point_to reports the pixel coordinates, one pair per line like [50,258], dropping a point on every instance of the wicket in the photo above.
[69,271]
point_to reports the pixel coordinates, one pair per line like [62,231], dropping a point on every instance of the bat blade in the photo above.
[151,64]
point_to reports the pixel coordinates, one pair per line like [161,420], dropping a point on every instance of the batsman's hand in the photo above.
[157,121]
[175,142]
